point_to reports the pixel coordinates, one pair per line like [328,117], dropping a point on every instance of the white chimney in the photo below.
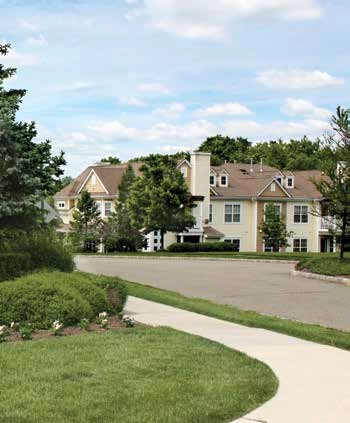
[200,184]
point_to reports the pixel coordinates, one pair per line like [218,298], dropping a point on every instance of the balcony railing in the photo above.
[328,223]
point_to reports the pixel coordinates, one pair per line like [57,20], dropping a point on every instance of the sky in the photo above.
[131,77]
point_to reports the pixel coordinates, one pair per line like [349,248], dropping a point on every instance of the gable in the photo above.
[274,189]
[93,184]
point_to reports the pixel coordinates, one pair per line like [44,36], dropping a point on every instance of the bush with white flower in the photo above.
[129,321]
[26,332]
[57,328]
[102,319]
[4,333]
[84,324]
[14,326]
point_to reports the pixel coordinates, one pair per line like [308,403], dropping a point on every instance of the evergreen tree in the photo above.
[87,223]
[159,199]
[122,235]
[273,229]
[28,171]
[111,160]
[336,187]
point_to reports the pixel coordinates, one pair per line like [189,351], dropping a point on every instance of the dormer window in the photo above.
[290,181]
[279,179]
[223,180]
[212,180]
[184,171]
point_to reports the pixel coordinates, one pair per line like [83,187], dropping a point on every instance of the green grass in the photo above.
[331,266]
[316,333]
[138,375]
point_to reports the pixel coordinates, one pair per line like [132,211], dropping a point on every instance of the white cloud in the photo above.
[174,148]
[37,41]
[76,86]
[297,79]
[223,109]
[300,107]
[153,88]
[113,130]
[171,111]
[212,19]
[132,101]
[16,59]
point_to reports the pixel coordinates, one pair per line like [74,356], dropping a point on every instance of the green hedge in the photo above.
[22,253]
[331,266]
[185,247]
[14,264]
[41,298]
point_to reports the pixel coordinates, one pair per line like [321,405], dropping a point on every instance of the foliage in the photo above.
[301,154]
[26,332]
[63,182]
[13,265]
[159,199]
[336,188]
[111,160]
[273,228]
[179,247]
[121,234]
[28,171]
[330,266]
[87,224]
[42,298]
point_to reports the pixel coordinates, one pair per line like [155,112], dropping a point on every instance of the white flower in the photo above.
[2,328]
[12,325]
[103,314]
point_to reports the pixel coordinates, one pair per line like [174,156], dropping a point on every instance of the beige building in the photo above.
[230,201]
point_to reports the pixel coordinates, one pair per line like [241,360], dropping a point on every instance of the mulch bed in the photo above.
[113,323]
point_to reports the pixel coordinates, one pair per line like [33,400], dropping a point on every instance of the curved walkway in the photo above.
[314,379]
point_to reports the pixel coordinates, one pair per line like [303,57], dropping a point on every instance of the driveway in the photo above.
[263,287]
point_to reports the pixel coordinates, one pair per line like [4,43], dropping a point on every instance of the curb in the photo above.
[190,258]
[333,279]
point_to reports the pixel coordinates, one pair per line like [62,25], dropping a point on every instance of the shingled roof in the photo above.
[246,181]
[109,175]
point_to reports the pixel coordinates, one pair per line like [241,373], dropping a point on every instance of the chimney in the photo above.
[251,165]
[261,165]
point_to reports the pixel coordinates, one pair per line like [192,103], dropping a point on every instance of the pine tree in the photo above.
[273,229]
[28,171]
[87,223]
[122,235]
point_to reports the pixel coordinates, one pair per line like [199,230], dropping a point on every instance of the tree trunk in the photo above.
[343,236]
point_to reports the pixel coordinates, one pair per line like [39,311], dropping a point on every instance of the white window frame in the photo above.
[231,239]
[273,186]
[301,214]
[240,213]
[298,249]
[211,213]
[279,179]
[60,203]
[99,207]
[269,250]
[275,204]
[93,179]
[183,170]
[223,175]
[110,210]
[290,178]
[214,180]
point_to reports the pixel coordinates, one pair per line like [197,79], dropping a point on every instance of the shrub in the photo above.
[13,265]
[331,266]
[190,247]
[42,298]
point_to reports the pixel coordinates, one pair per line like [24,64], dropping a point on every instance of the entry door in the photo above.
[324,245]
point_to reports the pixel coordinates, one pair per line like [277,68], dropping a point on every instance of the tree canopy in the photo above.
[111,160]
[28,170]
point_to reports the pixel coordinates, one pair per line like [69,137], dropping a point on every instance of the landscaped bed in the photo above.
[132,375]
[330,266]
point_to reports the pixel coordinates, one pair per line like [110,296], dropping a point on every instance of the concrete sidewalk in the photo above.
[314,379]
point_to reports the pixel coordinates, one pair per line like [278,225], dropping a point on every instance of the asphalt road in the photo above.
[264,287]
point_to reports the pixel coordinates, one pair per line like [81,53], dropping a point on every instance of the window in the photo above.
[273,187]
[184,171]
[61,205]
[279,179]
[93,179]
[212,180]
[271,246]
[277,206]
[232,213]
[210,213]
[300,245]
[235,242]
[223,180]
[290,182]
[99,206]
[301,214]
[108,208]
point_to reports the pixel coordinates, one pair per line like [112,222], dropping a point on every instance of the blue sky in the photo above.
[130,77]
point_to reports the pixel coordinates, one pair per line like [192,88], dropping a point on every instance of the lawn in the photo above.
[306,331]
[131,375]
[331,266]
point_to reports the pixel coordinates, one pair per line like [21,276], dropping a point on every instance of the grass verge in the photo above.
[330,266]
[134,376]
[315,333]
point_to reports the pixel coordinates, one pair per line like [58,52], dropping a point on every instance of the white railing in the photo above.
[328,223]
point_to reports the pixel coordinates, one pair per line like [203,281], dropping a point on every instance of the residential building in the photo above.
[230,200]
